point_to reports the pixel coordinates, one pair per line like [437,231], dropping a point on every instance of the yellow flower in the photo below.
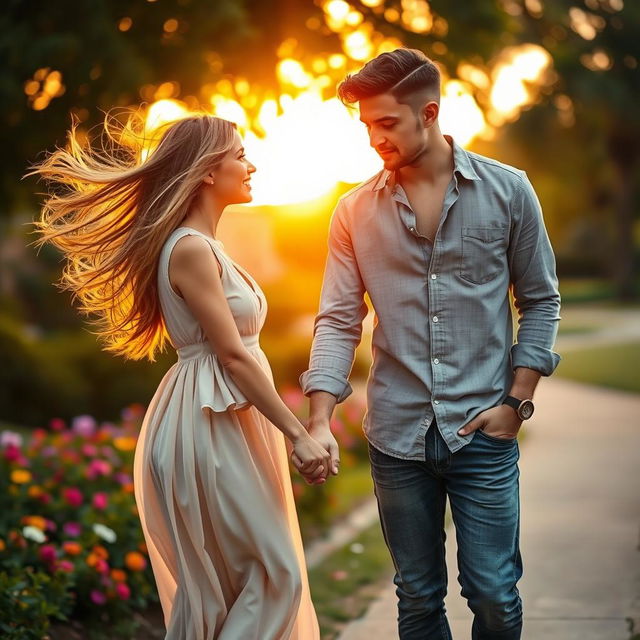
[21,476]
[124,443]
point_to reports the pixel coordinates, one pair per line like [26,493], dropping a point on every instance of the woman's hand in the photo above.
[310,458]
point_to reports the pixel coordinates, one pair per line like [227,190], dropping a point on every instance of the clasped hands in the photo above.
[316,457]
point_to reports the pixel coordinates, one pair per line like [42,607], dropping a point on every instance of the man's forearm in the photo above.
[524,383]
[321,406]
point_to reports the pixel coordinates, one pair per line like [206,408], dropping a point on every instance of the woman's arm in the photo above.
[195,271]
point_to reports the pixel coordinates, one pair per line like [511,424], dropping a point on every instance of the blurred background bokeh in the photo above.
[550,86]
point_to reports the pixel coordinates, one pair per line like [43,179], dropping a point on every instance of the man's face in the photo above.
[395,130]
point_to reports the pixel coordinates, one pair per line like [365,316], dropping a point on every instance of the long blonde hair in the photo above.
[110,209]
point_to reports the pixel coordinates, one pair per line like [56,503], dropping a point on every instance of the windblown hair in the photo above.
[111,205]
[402,72]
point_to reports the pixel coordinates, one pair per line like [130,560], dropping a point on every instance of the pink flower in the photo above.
[102,566]
[12,438]
[72,529]
[47,553]
[293,398]
[100,500]
[51,525]
[73,496]
[84,425]
[12,453]
[123,478]
[123,591]
[65,565]
[97,597]
[57,424]
[89,450]
[98,467]
[48,451]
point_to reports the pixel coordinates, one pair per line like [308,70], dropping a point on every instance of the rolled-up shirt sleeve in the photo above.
[534,282]
[338,325]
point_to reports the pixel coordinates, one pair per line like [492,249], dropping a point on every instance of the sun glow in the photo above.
[304,144]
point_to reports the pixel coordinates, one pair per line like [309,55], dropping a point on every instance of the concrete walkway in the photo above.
[579,481]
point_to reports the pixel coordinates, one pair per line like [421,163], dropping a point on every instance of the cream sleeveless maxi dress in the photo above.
[212,485]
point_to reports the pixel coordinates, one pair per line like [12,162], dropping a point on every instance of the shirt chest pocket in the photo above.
[483,253]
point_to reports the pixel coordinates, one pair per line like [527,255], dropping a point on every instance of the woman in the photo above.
[211,473]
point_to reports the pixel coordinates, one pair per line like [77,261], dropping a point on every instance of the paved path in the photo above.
[609,326]
[580,475]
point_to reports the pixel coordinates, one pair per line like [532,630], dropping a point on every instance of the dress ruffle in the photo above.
[213,387]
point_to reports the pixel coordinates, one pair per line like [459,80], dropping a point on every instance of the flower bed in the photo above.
[70,539]
[71,546]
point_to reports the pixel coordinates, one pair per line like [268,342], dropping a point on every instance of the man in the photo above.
[438,239]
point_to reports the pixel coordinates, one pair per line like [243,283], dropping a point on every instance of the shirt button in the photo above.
[433,276]
[435,318]
[436,402]
[436,361]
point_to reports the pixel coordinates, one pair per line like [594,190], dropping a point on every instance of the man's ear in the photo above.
[430,113]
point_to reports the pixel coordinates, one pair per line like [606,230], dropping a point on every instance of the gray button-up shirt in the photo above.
[442,339]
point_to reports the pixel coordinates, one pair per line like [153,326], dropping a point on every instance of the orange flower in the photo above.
[100,551]
[135,561]
[92,559]
[124,443]
[35,521]
[128,487]
[21,476]
[118,575]
[72,548]
[143,547]
[3,546]
[35,491]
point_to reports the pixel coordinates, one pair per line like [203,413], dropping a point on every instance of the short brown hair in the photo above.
[401,73]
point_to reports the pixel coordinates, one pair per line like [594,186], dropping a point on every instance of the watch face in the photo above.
[526,409]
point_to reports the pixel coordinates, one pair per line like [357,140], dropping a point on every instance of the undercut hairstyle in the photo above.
[402,73]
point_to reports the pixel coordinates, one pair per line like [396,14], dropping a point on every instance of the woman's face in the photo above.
[231,178]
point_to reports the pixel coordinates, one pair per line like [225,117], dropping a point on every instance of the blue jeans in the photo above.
[481,481]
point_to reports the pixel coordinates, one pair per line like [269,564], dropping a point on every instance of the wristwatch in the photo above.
[524,408]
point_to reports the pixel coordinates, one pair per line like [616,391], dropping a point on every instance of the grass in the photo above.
[345,583]
[570,330]
[614,366]
[348,489]
[590,290]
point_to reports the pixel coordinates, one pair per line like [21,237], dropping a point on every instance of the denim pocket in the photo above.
[503,441]
[483,253]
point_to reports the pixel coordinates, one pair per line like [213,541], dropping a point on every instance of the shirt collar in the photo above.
[461,164]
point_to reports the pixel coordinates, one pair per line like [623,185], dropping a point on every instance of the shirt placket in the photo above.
[439,317]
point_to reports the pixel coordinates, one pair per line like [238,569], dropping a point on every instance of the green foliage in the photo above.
[614,366]
[66,373]
[29,599]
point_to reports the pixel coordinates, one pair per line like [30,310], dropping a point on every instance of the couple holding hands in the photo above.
[439,239]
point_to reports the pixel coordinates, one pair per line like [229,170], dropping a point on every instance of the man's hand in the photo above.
[321,432]
[500,422]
